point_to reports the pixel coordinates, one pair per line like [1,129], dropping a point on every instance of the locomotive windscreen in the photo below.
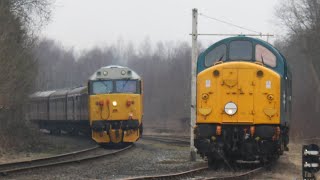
[114,86]
[126,86]
[240,50]
[102,87]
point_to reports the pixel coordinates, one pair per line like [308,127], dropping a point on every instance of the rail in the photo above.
[73,157]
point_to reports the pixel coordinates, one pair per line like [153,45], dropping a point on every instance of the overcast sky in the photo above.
[86,23]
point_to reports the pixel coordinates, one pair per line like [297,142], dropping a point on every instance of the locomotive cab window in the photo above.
[240,50]
[217,54]
[265,56]
[101,87]
[126,86]
[115,86]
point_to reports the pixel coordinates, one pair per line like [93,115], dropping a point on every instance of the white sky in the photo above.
[86,23]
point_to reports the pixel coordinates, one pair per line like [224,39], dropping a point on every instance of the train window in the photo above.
[266,56]
[217,54]
[102,87]
[126,86]
[240,50]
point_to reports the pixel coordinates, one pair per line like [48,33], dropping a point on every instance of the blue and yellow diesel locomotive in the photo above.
[243,101]
[115,105]
[110,108]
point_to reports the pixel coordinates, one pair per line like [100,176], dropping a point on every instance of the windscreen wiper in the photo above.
[106,85]
[262,59]
[125,84]
[220,59]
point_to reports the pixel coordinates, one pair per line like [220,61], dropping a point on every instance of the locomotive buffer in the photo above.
[310,161]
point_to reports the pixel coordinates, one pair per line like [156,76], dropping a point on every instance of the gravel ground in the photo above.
[49,145]
[149,157]
[146,158]
[288,166]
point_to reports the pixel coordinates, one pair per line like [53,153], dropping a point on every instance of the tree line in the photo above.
[20,21]
[301,46]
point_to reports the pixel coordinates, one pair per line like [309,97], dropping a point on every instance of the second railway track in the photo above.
[197,173]
[73,157]
[203,173]
[168,139]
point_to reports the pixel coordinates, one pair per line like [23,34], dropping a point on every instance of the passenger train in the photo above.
[110,108]
[244,92]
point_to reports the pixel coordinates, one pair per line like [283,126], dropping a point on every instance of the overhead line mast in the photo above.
[193,81]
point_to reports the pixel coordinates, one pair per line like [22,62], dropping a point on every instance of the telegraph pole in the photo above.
[193,81]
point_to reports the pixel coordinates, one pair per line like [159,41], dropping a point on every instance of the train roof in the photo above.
[59,93]
[281,64]
[114,72]
[41,95]
[78,91]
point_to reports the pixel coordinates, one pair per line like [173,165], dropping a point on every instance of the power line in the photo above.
[220,34]
[228,23]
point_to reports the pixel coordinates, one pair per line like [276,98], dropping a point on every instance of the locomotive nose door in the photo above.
[237,87]
[245,95]
[229,92]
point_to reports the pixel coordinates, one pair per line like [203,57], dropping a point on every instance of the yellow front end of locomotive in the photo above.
[238,93]
[115,117]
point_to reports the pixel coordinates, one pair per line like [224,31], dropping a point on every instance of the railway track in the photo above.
[203,173]
[312,140]
[197,173]
[73,157]
[168,139]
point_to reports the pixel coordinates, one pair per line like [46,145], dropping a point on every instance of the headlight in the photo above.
[230,108]
[123,72]
[114,103]
[105,73]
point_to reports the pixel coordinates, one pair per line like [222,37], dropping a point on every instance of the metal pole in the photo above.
[193,81]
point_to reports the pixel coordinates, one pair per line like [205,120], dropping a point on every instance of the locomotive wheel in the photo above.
[55,131]
[141,129]
[214,163]
[74,132]
[281,148]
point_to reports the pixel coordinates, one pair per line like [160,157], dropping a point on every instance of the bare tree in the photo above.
[302,48]
[17,64]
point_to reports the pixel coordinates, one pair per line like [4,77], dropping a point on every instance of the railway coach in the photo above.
[243,102]
[60,110]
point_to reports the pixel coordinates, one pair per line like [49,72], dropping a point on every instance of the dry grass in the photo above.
[18,137]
